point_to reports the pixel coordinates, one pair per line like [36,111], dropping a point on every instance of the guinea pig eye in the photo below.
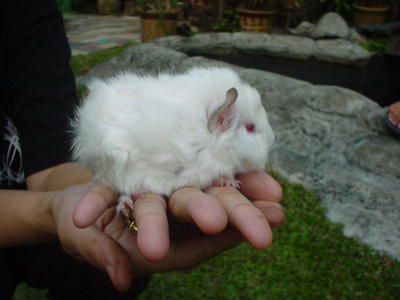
[250,127]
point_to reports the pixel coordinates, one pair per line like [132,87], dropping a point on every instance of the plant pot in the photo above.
[290,4]
[155,24]
[364,15]
[255,20]
[108,7]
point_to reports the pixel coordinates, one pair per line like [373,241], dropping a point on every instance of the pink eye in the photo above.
[250,127]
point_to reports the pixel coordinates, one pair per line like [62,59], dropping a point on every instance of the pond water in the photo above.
[379,80]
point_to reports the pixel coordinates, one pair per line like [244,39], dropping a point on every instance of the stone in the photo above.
[305,28]
[287,46]
[332,140]
[331,25]
[341,51]
[136,58]
[205,43]
[355,37]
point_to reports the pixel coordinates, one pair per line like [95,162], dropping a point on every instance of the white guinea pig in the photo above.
[141,134]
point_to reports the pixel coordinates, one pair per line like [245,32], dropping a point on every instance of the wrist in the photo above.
[44,220]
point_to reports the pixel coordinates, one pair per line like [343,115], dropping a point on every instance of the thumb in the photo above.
[93,204]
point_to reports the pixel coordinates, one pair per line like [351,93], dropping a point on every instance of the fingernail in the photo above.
[275,215]
[110,271]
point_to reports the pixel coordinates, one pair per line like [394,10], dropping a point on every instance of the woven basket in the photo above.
[255,20]
[156,25]
[369,15]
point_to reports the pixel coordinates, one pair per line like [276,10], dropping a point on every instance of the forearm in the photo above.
[58,177]
[25,217]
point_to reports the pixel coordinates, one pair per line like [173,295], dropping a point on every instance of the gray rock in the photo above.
[305,28]
[288,46]
[136,58]
[291,47]
[330,139]
[355,37]
[331,25]
[341,51]
[204,43]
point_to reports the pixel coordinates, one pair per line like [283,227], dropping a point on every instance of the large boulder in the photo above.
[331,25]
[340,51]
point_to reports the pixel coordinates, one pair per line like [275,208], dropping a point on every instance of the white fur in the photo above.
[142,134]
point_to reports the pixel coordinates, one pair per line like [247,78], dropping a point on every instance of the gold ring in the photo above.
[132,227]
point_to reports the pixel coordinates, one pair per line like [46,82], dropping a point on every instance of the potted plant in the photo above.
[368,12]
[158,18]
[256,15]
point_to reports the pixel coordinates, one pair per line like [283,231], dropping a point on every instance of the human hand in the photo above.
[151,249]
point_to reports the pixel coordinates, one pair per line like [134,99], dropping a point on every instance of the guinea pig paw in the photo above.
[227,181]
[125,206]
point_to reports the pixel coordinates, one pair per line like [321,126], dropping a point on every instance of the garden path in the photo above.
[90,33]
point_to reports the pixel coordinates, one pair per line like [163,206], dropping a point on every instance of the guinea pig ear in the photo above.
[222,118]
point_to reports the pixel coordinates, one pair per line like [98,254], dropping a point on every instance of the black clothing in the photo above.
[37,96]
[37,87]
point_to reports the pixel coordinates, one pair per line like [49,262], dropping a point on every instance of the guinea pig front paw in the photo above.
[227,181]
[125,206]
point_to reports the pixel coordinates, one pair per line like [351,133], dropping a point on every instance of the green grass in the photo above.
[26,292]
[310,257]
[82,63]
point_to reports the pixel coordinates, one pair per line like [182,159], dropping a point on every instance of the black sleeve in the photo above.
[42,84]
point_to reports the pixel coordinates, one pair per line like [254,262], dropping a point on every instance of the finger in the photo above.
[92,205]
[113,259]
[152,226]
[191,251]
[272,211]
[195,206]
[244,216]
[258,185]
[105,253]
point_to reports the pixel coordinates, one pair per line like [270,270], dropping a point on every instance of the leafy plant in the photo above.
[339,6]
[157,5]
[259,4]
[374,46]
[230,22]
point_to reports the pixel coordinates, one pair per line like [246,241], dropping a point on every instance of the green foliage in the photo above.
[82,91]
[64,5]
[157,5]
[375,46]
[259,4]
[84,6]
[339,6]
[26,292]
[310,259]
[230,22]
